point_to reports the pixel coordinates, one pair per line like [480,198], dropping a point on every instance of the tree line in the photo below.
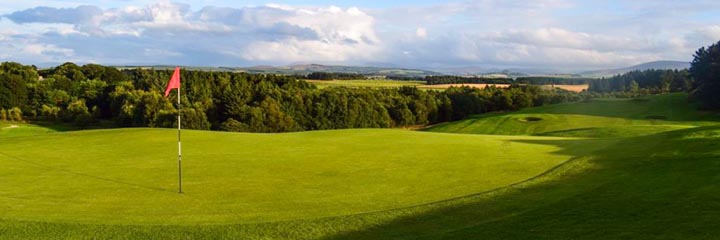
[705,70]
[449,79]
[540,80]
[333,76]
[93,94]
[647,81]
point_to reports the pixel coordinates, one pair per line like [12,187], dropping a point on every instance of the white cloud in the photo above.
[272,33]
[46,49]
[566,33]
[15,48]
[421,32]
[341,35]
[562,38]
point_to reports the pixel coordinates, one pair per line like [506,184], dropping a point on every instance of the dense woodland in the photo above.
[553,80]
[93,94]
[648,81]
[705,70]
[448,79]
[333,76]
[434,80]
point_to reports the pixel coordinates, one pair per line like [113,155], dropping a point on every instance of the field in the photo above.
[421,84]
[364,83]
[605,169]
[573,88]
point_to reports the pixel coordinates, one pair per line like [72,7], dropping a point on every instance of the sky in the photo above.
[554,34]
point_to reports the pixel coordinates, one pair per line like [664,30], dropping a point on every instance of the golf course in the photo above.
[359,120]
[635,168]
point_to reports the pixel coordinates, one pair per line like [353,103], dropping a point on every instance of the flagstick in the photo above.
[179,144]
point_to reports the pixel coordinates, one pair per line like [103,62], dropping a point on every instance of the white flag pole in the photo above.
[179,142]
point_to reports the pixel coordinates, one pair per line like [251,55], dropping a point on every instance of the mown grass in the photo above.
[597,118]
[660,186]
[128,176]
[659,181]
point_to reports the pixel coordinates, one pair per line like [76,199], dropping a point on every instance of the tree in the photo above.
[705,69]
[666,79]
[634,86]
[13,91]
[681,81]
[232,125]
[78,113]
[3,114]
[193,117]
[15,114]
[50,113]
[233,101]
[653,80]
[521,100]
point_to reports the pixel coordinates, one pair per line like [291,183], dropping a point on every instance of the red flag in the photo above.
[174,82]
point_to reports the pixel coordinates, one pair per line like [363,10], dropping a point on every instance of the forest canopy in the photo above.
[91,94]
[705,70]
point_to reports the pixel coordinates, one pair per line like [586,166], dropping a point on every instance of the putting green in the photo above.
[128,176]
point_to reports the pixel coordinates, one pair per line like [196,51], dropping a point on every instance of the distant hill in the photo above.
[645,66]
[304,69]
[496,71]
[308,68]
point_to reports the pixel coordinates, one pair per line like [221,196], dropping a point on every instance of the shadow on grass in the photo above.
[656,186]
[661,109]
[665,107]
[663,186]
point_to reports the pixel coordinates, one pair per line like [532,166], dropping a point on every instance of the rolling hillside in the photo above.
[642,169]
[640,67]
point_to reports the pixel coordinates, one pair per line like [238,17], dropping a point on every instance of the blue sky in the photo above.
[558,34]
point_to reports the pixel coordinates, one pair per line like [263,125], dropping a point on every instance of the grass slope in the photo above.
[128,176]
[17,129]
[661,186]
[659,182]
[597,118]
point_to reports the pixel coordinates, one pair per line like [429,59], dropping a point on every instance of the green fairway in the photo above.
[661,186]
[597,118]
[129,176]
[648,169]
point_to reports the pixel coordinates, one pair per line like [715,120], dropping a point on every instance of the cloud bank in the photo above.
[545,33]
